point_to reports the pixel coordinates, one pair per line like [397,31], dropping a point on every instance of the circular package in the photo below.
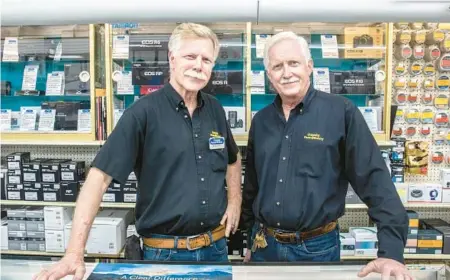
[429,69]
[419,36]
[445,45]
[416,68]
[397,131]
[439,137]
[431,25]
[84,76]
[427,98]
[400,97]
[418,52]
[399,114]
[412,116]
[400,68]
[400,83]
[412,97]
[427,116]
[441,101]
[401,25]
[437,157]
[416,25]
[443,82]
[403,37]
[443,63]
[428,84]
[411,131]
[403,52]
[441,119]
[426,130]
[117,76]
[380,75]
[414,84]
[432,53]
[435,36]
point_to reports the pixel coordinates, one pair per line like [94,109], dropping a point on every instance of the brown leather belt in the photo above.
[291,237]
[190,243]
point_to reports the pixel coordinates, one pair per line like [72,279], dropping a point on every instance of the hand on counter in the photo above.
[70,264]
[387,268]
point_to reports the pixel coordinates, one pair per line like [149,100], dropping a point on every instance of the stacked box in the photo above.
[347,244]
[366,241]
[55,219]
[17,234]
[429,241]
[441,226]
[411,243]
[35,229]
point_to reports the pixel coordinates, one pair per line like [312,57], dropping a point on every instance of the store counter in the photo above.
[13,269]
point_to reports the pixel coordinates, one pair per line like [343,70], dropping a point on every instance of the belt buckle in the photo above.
[188,244]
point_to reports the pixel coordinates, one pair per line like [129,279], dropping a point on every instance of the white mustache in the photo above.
[289,81]
[197,75]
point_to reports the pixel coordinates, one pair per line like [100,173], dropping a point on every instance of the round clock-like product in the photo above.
[400,69]
[411,131]
[437,157]
[400,97]
[427,116]
[441,119]
[414,84]
[432,53]
[418,52]
[426,130]
[412,116]
[428,84]
[427,98]
[435,36]
[429,69]
[416,68]
[403,52]
[397,131]
[403,37]
[443,63]
[400,83]
[443,82]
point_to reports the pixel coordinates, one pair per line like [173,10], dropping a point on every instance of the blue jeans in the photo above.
[216,252]
[323,248]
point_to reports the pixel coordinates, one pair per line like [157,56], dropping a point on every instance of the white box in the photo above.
[108,232]
[366,241]
[56,217]
[54,241]
[402,190]
[416,193]
[445,177]
[433,193]
[347,244]
[4,235]
[445,195]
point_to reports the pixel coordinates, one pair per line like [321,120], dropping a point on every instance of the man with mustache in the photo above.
[303,150]
[178,142]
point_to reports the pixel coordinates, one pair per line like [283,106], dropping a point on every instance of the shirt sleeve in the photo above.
[369,176]
[119,154]
[231,145]
[250,189]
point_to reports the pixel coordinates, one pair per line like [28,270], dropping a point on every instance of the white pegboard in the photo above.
[400,122]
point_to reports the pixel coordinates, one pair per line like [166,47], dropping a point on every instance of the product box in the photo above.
[69,191]
[17,233]
[445,195]
[225,82]
[3,185]
[402,190]
[366,241]
[14,177]
[445,177]
[4,235]
[347,244]
[66,118]
[33,192]
[51,170]
[15,192]
[416,193]
[54,241]
[442,227]
[149,74]
[362,42]
[17,243]
[352,82]
[73,171]
[15,160]
[76,79]
[397,173]
[51,192]
[36,244]
[56,217]
[130,191]
[433,193]
[35,220]
[113,193]
[429,238]
[32,172]
[351,196]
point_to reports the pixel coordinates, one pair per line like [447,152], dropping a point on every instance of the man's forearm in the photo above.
[234,177]
[87,206]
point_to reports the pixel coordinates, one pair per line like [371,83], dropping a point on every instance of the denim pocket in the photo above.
[154,254]
[322,244]
[220,246]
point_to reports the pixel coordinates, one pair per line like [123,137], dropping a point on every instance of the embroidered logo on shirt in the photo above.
[313,136]
[214,134]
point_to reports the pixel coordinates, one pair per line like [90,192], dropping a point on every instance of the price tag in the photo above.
[124,84]
[84,120]
[260,41]
[11,49]
[121,47]
[6,120]
[329,46]
[30,77]
[28,119]
[47,120]
[55,83]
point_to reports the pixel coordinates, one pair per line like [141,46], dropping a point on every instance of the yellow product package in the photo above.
[417,157]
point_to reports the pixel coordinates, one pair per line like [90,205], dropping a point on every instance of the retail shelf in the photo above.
[407,205]
[51,143]
[60,203]
[349,258]
[121,255]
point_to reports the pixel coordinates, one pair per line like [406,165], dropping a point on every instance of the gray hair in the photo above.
[286,35]
[192,30]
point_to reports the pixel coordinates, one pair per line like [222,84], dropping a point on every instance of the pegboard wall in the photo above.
[420,83]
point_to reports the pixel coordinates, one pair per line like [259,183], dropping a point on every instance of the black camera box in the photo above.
[66,118]
[51,170]
[113,193]
[52,192]
[225,82]
[15,160]
[352,82]
[130,191]
[32,172]
[150,48]
[150,75]
[15,192]
[69,191]
[33,192]
[73,171]
[14,177]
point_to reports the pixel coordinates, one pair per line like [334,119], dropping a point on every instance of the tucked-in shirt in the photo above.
[181,176]
[298,171]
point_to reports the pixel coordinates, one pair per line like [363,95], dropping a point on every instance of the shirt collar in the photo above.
[302,105]
[175,97]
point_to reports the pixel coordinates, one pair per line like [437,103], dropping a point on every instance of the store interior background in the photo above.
[67,77]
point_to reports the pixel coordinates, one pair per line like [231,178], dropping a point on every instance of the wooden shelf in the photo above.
[68,204]
[121,255]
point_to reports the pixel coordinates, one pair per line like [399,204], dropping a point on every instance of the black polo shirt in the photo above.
[181,179]
[298,171]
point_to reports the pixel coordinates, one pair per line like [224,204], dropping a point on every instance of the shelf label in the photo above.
[124,84]
[29,77]
[258,79]
[260,41]
[28,119]
[329,46]
[84,120]
[321,79]
[6,120]
[121,46]
[47,120]
[55,83]
[11,49]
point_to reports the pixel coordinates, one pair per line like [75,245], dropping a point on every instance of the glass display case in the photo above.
[139,66]
[48,84]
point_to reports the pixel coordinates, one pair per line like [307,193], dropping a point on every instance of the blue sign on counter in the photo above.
[121,271]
